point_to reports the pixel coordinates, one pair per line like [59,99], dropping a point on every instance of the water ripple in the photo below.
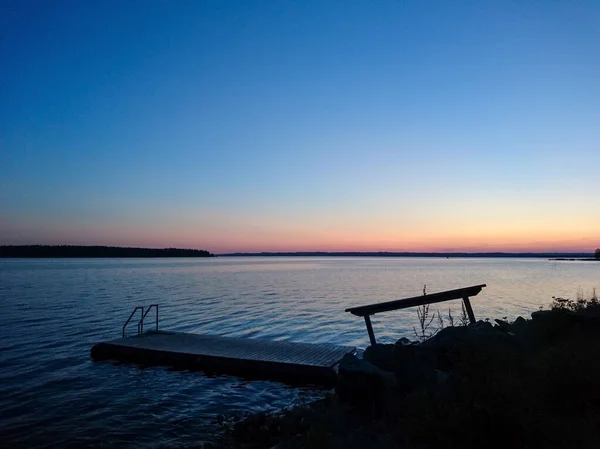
[53,311]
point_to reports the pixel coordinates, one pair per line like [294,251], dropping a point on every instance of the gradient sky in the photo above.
[407,125]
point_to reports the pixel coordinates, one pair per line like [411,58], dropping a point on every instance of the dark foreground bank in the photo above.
[59,251]
[526,384]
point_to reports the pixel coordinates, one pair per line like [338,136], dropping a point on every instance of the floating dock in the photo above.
[248,357]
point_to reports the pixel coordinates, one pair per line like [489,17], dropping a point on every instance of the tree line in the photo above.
[60,251]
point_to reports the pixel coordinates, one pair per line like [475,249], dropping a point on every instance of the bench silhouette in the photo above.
[459,293]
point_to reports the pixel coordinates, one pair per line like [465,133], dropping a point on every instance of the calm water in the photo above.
[53,311]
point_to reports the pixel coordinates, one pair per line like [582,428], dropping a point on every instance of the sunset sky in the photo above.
[404,125]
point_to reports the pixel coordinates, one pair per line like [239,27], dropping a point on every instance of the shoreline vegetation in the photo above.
[76,251]
[525,383]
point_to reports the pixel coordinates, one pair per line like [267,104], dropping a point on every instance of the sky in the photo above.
[354,125]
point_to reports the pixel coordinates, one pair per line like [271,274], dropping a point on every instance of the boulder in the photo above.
[551,326]
[404,342]
[382,356]
[359,381]
[452,344]
[411,364]
[503,325]
[519,326]
[481,325]
[543,314]
[448,337]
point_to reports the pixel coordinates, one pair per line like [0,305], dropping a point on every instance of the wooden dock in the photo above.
[248,357]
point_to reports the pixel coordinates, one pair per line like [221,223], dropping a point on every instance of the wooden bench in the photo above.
[460,293]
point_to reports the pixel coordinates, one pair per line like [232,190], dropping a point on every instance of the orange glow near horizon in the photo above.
[225,234]
[332,243]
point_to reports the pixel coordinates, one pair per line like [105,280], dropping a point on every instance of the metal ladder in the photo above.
[140,324]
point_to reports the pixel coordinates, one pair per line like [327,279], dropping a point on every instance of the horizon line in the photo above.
[335,253]
[407,253]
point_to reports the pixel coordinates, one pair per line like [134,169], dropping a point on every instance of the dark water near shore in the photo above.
[53,311]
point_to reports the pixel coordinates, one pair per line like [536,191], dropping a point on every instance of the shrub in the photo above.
[579,304]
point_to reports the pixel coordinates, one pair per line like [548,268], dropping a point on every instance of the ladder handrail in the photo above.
[139,322]
[146,313]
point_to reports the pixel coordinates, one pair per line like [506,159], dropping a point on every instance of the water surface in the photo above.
[54,310]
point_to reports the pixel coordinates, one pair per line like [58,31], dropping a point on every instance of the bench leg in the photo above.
[370,329]
[469,310]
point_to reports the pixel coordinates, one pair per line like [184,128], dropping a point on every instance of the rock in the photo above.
[441,376]
[453,344]
[519,326]
[503,325]
[481,325]
[555,320]
[449,336]
[541,314]
[360,381]
[550,326]
[412,365]
[382,356]
[404,342]
[592,311]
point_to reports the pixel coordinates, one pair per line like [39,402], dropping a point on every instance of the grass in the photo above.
[427,329]
[579,304]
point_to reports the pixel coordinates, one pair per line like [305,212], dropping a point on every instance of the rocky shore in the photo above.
[528,383]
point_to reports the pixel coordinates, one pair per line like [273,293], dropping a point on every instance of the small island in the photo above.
[587,259]
[73,251]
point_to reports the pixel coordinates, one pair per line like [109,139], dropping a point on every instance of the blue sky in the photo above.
[304,125]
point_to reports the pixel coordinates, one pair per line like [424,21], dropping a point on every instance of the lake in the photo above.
[54,310]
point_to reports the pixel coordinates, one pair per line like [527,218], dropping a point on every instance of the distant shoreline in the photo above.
[77,251]
[83,251]
[551,256]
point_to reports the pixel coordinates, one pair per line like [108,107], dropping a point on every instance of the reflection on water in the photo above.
[53,311]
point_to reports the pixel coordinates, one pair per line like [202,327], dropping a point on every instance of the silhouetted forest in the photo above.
[96,251]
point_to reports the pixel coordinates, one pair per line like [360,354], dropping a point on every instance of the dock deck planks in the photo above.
[243,356]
